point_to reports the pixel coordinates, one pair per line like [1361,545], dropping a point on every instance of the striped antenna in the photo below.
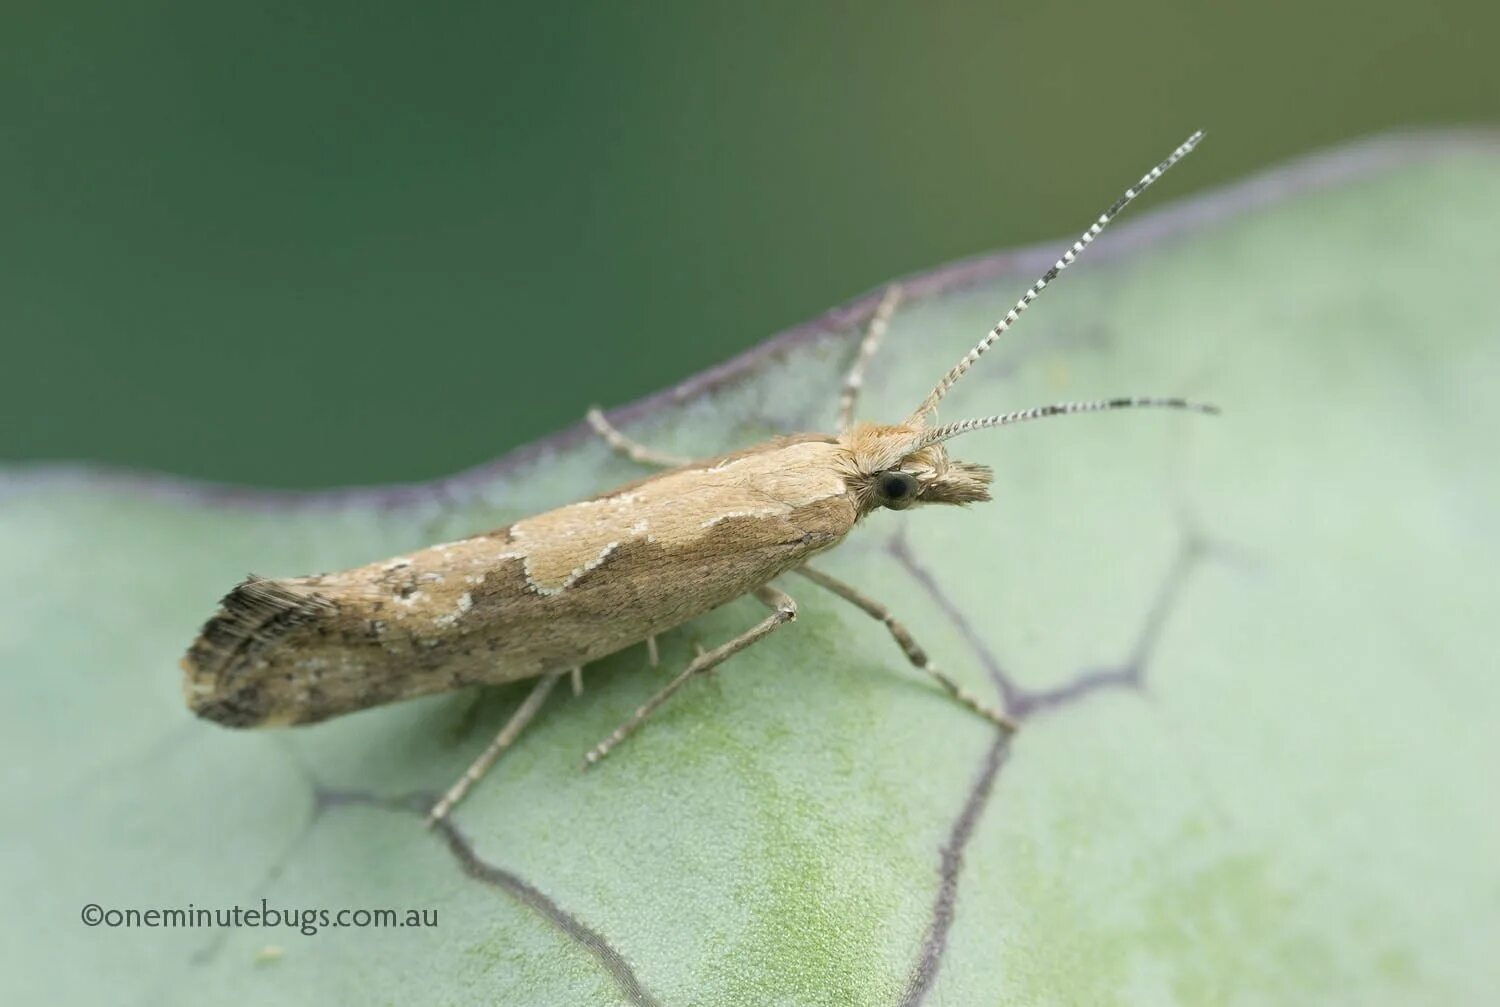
[950,430]
[919,418]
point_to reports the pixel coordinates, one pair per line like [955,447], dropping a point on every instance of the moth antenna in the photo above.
[919,418]
[950,430]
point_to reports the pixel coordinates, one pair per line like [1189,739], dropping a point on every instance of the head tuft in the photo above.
[886,472]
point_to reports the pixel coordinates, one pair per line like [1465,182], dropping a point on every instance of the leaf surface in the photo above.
[1255,657]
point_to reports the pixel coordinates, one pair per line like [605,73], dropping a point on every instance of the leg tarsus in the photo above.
[507,736]
[576,676]
[784,610]
[634,450]
[908,644]
[653,653]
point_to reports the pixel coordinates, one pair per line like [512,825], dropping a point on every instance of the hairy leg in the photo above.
[854,381]
[784,610]
[507,736]
[634,450]
[914,652]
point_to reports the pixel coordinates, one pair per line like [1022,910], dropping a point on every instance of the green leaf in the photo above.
[1255,656]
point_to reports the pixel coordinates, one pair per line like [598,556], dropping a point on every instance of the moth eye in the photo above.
[896,488]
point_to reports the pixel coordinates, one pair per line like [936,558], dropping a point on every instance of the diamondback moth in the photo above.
[543,597]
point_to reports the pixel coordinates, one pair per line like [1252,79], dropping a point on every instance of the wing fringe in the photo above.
[251,619]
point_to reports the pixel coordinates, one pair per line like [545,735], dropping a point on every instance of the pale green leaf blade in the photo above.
[1255,655]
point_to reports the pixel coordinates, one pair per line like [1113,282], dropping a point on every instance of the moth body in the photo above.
[547,593]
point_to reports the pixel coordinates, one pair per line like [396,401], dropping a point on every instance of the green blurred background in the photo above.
[312,243]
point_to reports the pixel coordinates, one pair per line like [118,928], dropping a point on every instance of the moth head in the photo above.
[897,466]
[888,473]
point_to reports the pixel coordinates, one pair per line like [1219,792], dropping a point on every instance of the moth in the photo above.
[547,595]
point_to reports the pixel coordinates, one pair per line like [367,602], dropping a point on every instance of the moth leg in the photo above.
[634,450]
[513,727]
[914,652]
[653,654]
[784,610]
[854,381]
[577,678]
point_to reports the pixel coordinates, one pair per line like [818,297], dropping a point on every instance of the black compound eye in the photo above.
[896,488]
